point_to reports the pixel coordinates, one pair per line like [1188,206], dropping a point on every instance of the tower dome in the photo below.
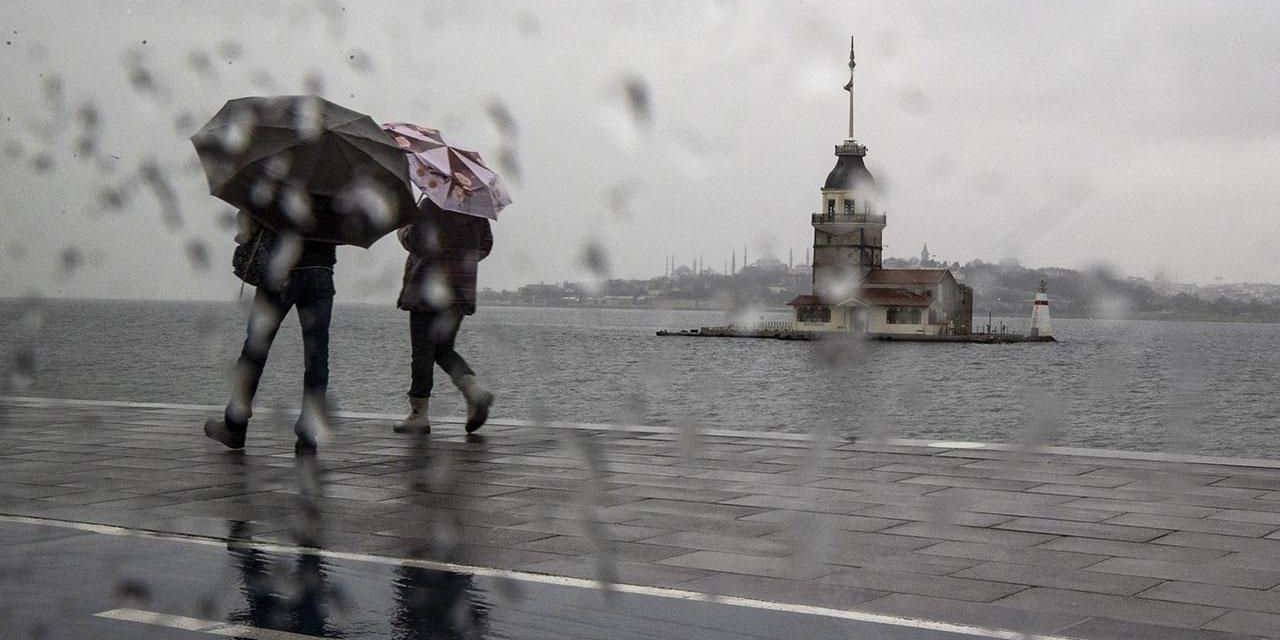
[850,172]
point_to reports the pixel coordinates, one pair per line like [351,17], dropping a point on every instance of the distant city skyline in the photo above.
[1140,136]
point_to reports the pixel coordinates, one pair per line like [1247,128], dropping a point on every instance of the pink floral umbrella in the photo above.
[454,179]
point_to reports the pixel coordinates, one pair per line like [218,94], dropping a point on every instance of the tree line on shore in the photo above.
[1003,289]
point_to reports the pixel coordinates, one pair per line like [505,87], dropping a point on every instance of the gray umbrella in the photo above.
[305,165]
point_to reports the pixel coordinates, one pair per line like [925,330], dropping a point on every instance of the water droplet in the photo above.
[914,101]
[360,61]
[198,255]
[156,179]
[509,164]
[639,100]
[199,62]
[314,83]
[69,260]
[112,198]
[22,370]
[502,118]
[42,163]
[133,591]
[230,49]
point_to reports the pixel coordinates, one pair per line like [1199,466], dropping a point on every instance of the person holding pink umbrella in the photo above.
[460,196]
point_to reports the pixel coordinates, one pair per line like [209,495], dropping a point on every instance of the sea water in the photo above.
[1185,387]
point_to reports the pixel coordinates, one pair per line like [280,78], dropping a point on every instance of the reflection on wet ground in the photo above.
[73,583]
[119,520]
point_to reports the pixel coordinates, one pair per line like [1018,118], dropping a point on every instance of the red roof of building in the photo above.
[904,276]
[805,300]
[891,298]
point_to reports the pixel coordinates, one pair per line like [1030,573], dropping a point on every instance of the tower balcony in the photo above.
[851,148]
[843,218]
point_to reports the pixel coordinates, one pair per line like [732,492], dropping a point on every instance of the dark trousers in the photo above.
[431,334]
[311,291]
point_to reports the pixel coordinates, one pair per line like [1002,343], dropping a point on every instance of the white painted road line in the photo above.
[202,626]
[1113,454]
[657,592]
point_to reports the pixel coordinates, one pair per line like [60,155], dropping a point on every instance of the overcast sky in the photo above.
[1138,135]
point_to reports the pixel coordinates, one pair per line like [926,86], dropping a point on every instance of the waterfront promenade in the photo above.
[918,538]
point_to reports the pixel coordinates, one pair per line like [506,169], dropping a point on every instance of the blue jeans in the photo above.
[311,291]
[431,334]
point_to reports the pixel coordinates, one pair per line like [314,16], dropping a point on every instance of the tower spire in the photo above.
[849,87]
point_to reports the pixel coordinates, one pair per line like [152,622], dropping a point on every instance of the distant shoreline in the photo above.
[1146,317]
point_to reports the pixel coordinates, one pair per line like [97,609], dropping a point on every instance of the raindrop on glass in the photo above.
[69,260]
[639,100]
[42,163]
[360,61]
[502,118]
[198,255]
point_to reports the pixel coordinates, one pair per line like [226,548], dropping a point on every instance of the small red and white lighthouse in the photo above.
[1040,324]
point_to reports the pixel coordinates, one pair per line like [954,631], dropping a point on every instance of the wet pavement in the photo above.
[121,520]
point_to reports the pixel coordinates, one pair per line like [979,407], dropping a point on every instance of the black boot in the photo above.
[226,433]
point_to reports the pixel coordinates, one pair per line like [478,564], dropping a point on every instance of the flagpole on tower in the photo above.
[849,87]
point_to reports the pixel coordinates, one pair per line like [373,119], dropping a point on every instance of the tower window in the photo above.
[831,206]
[848,206]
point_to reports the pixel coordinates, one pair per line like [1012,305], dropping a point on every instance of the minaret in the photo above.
[847,229]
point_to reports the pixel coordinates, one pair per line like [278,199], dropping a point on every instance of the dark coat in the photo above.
[445,249]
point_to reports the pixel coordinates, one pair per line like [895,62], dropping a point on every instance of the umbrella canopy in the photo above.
[301,164]
[454,179]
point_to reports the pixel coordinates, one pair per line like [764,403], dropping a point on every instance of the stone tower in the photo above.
[847,230]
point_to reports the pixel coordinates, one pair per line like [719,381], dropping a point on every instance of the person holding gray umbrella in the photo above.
[307,175]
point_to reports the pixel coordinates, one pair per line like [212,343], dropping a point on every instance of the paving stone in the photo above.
[1225,543]
[782,590]
[769,567]
[823,521]
[1122,493]
[978,614]
[798,504]
[978,483]
[912,562]
[1033,557]
[589,547]
[683,507]
[685,494]
[1202,525]
[1250,624]
[1133,549]
[1217,595]
[1246,560]
[1129,506]
[696,540]
[1268,483]
[968,534]
[620,571]
[1074,579]
[1112,629]
[1240,515]
[923,584]
[1224,575]
[1191,616]
[938,513]
[579,527]
[1084,529]
[963,497]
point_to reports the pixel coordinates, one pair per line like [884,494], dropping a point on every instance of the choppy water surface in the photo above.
[1156,386]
